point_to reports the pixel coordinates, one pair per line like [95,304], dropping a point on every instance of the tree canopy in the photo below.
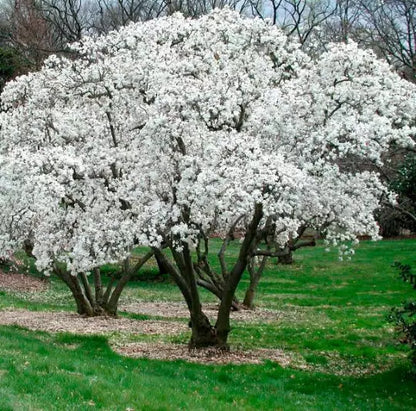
[166,132]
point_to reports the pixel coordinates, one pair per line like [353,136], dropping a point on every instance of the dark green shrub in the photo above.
[405,182]
[405,316]
[393,220]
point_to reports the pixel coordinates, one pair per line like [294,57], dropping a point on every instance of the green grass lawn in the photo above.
[332,321]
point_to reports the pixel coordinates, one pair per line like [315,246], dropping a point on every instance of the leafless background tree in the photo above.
[299,18]
[391,30]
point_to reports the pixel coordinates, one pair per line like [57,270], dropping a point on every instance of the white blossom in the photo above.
[170,128]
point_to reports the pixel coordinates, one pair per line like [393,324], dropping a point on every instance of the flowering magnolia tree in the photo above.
[166,132]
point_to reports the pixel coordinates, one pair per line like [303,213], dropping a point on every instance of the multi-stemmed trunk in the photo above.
[204,334]
[284,256]
[216,287]
[98,300]
[207,278]
[102,300]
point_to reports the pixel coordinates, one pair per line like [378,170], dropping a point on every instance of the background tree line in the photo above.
[30,30]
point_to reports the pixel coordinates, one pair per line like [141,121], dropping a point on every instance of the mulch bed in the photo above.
[77,324]
[180,310]
[21,282]
[73,323]
[171,352]
[59,322]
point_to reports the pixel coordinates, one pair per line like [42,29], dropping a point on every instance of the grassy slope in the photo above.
[333,318]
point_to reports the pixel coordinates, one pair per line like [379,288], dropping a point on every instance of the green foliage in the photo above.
[405,317]
[10,64]
[393,220]
[405,182]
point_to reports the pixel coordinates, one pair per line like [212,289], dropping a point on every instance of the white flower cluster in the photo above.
[174,127]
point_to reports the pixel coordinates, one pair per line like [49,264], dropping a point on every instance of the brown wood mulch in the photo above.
[21,282]
[77,324]
[169,309]
[172,352]
[73,323]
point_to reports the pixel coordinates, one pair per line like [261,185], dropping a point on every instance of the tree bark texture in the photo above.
[94,303]
[255,275]
[184,272]
[247,247]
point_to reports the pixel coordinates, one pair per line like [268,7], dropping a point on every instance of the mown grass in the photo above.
[331,320]
[62,372]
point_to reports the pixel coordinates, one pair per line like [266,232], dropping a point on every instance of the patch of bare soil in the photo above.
[21,282]
[180,310]
[74,323]
[171,352]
